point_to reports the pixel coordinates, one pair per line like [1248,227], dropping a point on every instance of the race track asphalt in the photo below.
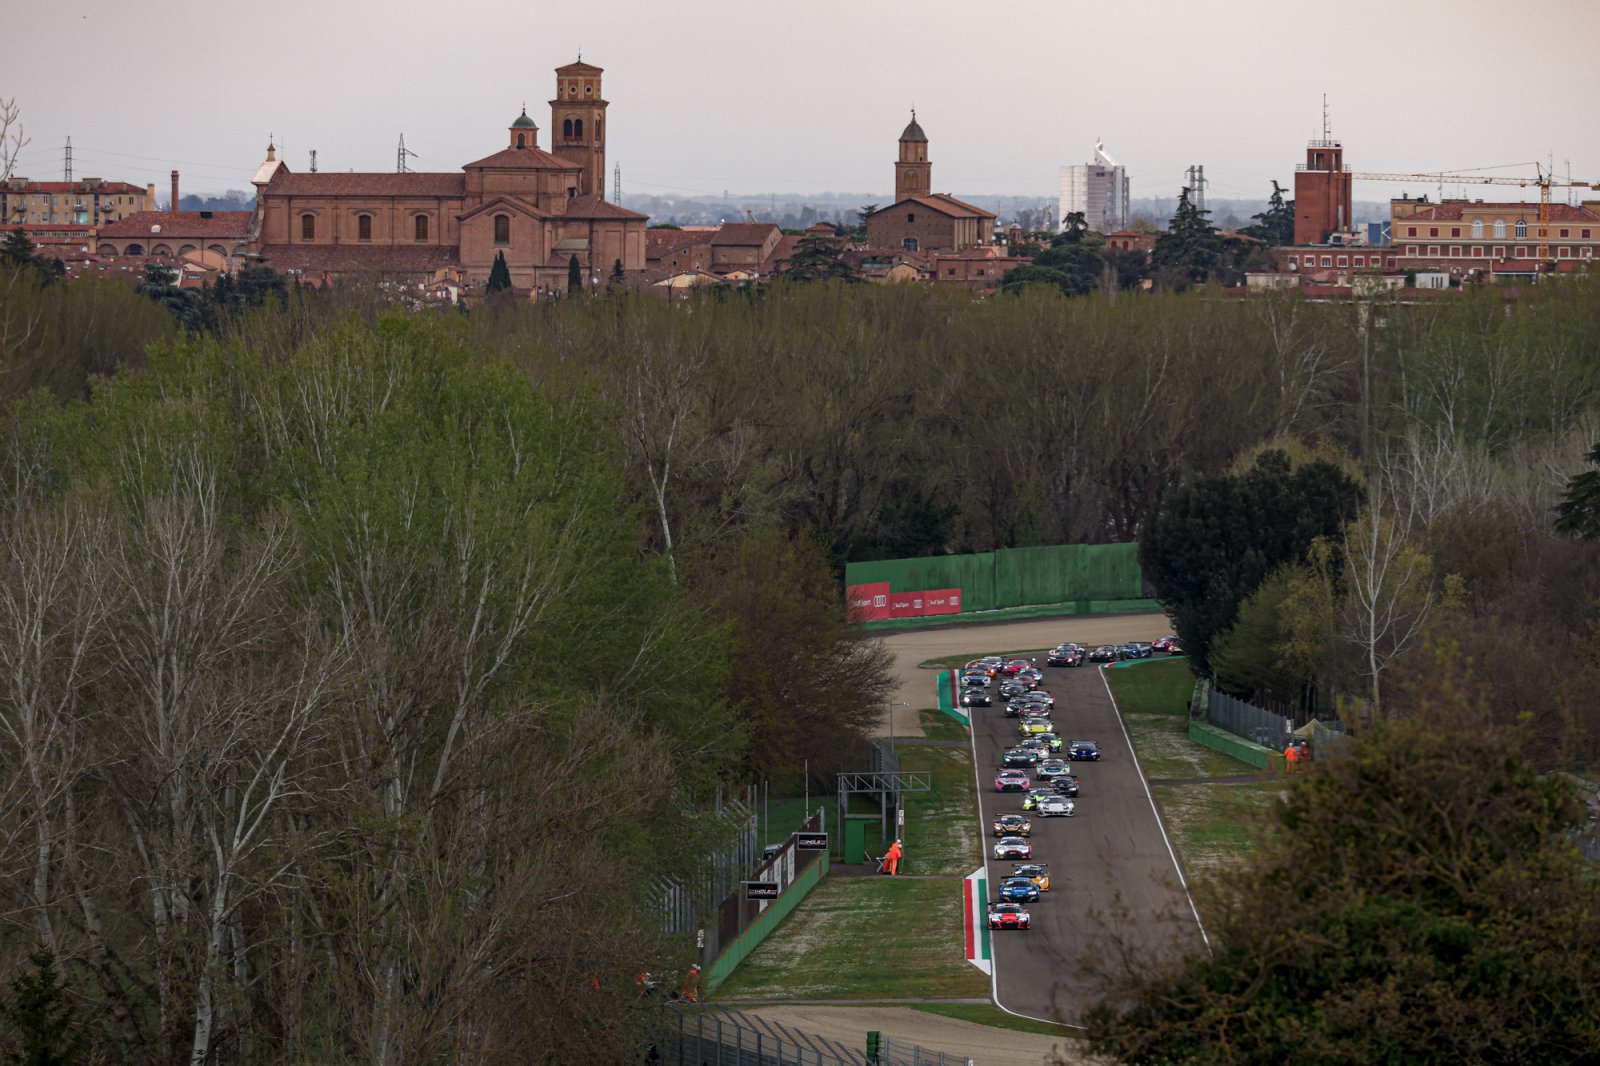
[1115,885]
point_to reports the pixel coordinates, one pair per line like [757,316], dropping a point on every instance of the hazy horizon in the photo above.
[735,97]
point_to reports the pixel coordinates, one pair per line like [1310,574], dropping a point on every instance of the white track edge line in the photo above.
[1153,810]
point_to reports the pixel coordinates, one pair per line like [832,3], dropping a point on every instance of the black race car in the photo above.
[976,697]
[1065,655]
[1105,653]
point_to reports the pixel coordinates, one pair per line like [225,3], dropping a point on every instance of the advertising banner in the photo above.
[868,603]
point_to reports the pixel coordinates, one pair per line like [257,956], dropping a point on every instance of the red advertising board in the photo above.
[867,603]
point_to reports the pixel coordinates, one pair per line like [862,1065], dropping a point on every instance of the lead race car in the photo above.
[1009,916]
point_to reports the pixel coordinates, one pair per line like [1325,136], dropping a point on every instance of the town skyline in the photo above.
[750,102]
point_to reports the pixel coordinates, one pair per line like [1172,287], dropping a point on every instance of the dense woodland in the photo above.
[327,628]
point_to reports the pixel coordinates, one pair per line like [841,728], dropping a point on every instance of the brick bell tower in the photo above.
[578,124]
[913,174]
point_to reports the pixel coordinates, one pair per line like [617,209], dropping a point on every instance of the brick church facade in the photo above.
[540,208]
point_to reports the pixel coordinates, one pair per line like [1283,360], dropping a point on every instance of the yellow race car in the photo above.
[1035,872]
[1034,726]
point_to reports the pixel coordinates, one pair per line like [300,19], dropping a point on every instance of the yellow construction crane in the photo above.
[1544,181]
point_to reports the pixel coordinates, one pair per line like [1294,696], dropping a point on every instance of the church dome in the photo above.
[914,132]
[523,122]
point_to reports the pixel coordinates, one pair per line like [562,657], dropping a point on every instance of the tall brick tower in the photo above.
[1322,193]
[913,174]
[578,123]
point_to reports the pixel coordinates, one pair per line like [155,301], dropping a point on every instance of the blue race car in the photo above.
[1019,890]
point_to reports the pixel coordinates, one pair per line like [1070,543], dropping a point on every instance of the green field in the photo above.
[1152,686]
[860,937]
[941,834]
[936,725]
[987,1014]
[1214,826]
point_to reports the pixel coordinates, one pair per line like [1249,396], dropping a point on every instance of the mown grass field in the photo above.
[937,725]
[987,1014]
[860,937]
[941,834]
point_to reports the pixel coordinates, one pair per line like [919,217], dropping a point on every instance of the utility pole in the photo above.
[616,184]
[400,154]
[313,160]
[67,168]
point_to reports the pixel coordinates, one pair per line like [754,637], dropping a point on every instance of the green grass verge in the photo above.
[1214,827]
[941,834]
[986,1014]
[862,937]
[936,725]
[1153,686]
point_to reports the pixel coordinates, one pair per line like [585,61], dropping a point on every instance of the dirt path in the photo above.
[916,686]
[983,1044]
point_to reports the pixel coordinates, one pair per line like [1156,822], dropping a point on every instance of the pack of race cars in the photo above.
[1039,766]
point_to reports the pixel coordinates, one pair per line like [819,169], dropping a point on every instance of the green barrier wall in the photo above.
[1244,750]
[1016,577]
[765,922]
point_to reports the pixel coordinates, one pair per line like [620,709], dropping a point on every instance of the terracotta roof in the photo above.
[594,207]
[973,208]
[333,183]
[664,242]
[115,188]
[179,224]
[523,159]
[358,258]
[744,234]
[1454,212]
[940,202]
[785,248]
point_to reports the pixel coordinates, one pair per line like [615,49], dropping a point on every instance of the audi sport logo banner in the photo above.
[868,603]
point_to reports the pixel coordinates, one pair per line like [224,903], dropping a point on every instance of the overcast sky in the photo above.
[803,96]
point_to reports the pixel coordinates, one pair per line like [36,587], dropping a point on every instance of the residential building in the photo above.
[1462,237]
[216,240]
[921,220]
[85,202]
[539,208]
[1096,190]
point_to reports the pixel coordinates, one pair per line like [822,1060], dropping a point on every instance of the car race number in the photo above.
[811,841]
[761,890]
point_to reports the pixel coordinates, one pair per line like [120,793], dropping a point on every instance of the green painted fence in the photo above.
[765,922]
[1245,751]
[1016,577]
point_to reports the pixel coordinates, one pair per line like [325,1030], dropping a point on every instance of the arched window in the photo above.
[1499,227]
[185,249]
[522,140]
[161,249]
[422,227]
[1477,228]
[363,227]
[133,249]
[1522,227]
[217,249]
[502,229]
[577,128]
[597,128]
[566,128]
[308,227]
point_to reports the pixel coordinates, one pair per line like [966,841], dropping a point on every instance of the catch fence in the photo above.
[689,904]
[1271,731]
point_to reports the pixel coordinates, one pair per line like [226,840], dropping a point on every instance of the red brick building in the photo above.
[539,209]
[1322,193]
[921,220]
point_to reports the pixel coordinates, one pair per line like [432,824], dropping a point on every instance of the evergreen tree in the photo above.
[818,258]
[499,275]
[1187,252]
[574,277]
[42,1017]
[617,274]
[1578,513]
[1073,227]
[1275,225]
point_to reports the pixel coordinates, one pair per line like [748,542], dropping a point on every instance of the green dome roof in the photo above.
[524,122]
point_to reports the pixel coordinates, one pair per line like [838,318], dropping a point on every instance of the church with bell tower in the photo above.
[921,220]
[539,209]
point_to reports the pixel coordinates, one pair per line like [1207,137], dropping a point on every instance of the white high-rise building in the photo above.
[1098,189]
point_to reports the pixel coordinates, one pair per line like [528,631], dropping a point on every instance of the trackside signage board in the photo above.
[874,602]
[811,841]
[761,890]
